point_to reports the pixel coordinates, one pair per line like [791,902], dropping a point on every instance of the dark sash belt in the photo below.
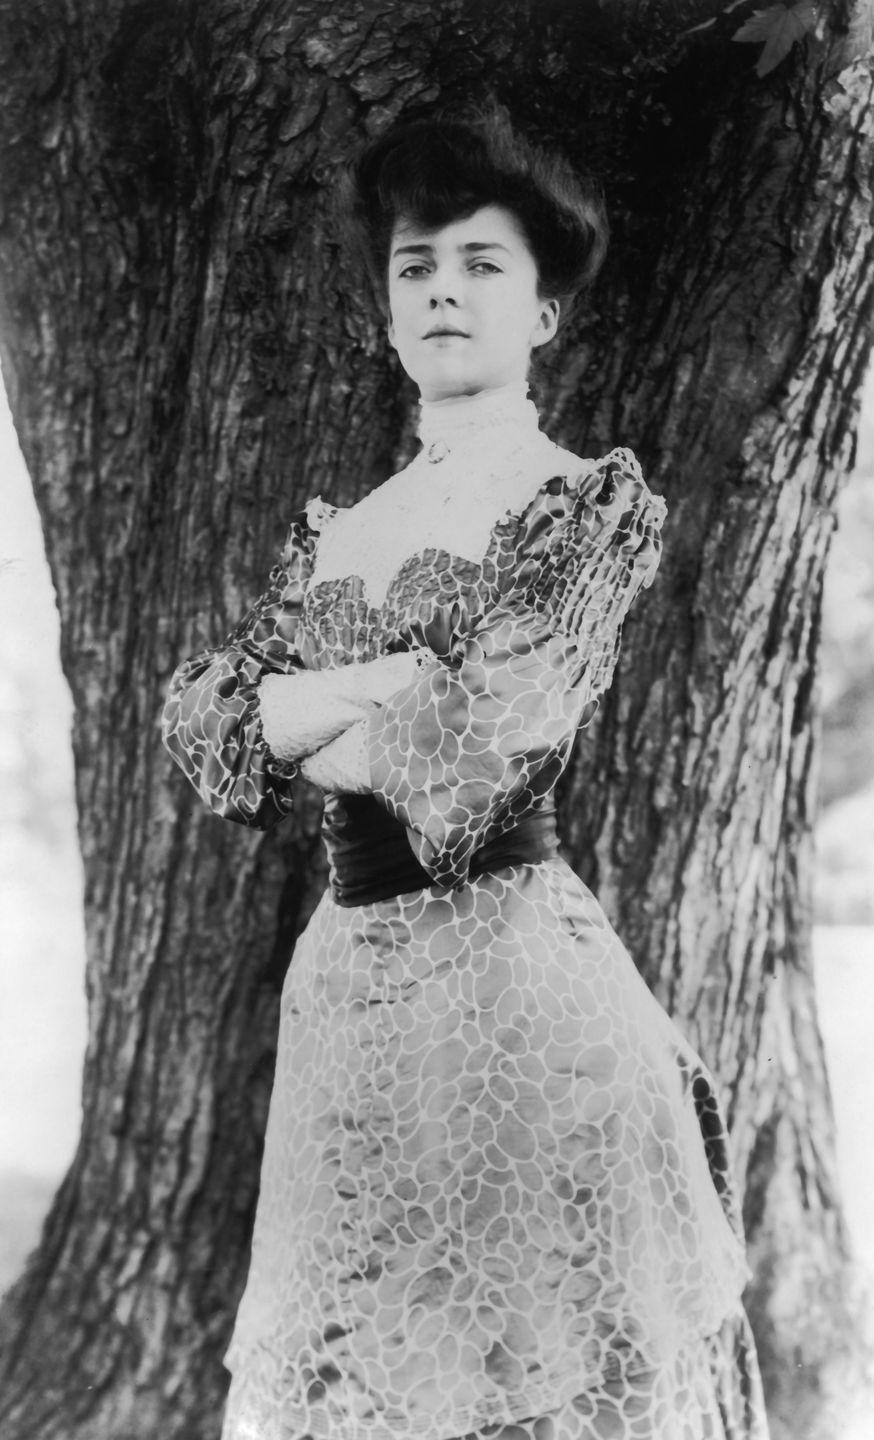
[371,858]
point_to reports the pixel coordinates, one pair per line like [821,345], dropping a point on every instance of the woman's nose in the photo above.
[445,289]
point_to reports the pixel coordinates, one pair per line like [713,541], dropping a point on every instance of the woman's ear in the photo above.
[390,330]
[547,323]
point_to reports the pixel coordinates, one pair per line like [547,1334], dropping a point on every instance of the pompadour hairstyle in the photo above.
[435,171]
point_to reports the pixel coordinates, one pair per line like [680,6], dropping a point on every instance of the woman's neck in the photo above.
[460,417]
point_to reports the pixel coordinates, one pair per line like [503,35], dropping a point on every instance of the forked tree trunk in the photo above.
[188,362]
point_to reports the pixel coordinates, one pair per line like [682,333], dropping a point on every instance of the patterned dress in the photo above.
[495,1195]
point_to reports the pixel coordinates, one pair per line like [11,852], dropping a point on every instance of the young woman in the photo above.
[495,1197]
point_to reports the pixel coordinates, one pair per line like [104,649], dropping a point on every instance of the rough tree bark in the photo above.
[188,361]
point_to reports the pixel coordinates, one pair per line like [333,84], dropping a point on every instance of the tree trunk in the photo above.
[188,361]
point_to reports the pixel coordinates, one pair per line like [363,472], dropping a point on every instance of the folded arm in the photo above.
[239,718]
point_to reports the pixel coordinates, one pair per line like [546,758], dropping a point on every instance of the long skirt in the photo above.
[496,1198]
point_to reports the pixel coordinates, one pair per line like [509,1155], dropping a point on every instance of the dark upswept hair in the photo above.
[434,171]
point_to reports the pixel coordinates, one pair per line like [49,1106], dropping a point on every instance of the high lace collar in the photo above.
[445,425]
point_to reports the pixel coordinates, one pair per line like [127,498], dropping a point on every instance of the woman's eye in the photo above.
[485,267]
[412,272]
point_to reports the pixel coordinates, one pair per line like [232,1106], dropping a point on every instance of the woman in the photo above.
[494,1196]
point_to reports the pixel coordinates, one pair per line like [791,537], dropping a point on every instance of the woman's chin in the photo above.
[451,383]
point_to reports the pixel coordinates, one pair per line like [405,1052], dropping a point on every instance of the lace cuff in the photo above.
[300,713]
[303,711]
[341,766]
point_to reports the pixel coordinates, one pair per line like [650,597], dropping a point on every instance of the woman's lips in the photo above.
[446,333]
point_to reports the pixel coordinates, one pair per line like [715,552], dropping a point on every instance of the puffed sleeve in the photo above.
[211,721]
[459,755]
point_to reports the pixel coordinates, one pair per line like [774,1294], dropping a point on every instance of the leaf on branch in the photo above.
[777,29]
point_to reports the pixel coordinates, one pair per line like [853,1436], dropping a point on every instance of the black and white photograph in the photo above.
[436,719]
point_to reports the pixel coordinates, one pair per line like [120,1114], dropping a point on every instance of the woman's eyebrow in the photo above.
[471,245]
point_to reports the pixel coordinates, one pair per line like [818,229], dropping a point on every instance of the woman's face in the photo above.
[464,307]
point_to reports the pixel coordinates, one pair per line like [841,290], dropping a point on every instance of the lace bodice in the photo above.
[483,459]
